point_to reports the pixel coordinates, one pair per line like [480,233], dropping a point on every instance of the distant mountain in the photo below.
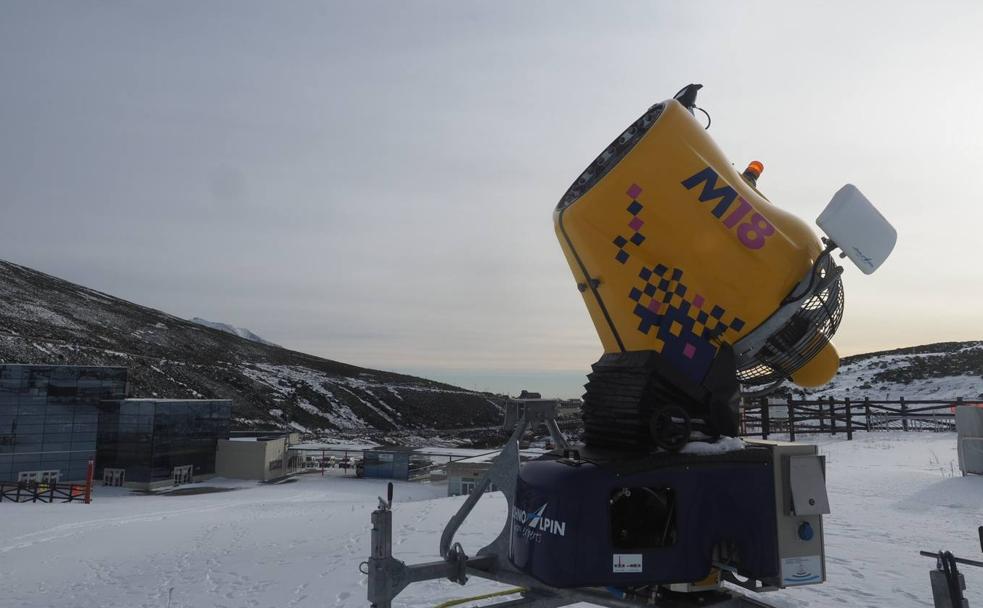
[44,319]
[945,370]
[242,332]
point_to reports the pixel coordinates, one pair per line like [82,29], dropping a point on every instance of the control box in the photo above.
[800,502]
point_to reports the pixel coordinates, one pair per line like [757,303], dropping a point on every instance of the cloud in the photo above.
[374,182]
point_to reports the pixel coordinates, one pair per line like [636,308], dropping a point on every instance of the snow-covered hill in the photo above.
[44,319]
[242,332]
[946,370]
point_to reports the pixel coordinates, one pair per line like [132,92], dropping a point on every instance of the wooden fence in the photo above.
[832,416]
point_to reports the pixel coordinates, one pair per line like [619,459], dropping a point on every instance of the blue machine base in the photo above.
[630,521]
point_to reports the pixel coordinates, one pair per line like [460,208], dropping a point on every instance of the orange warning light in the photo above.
[754,168]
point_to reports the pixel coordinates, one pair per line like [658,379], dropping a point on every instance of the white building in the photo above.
[463,475]
[262,458]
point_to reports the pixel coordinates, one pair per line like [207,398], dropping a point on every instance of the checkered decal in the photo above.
[685,323]
[636,223]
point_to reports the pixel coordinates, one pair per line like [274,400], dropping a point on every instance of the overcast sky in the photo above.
[373,182]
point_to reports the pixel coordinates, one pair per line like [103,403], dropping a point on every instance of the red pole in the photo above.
[89,473]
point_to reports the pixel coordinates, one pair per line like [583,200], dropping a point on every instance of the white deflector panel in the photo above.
[858,228]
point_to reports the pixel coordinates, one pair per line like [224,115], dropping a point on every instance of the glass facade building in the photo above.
[55,418]
[49,418]
[387,463]
[158,440]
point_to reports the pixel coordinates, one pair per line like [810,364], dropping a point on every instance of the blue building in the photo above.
[387,462]
[49,417]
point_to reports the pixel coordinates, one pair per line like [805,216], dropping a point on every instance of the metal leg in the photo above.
[389,576]
[380,585]
[558,439]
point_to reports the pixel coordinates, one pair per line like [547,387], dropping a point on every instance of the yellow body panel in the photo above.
[819,370]
[662,270]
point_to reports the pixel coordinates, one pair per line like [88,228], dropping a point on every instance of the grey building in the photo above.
[155,442]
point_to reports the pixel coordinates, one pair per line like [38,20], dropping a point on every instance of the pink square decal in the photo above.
[655,306]
[634,190]
[689,350]
[635,223]
[698,301]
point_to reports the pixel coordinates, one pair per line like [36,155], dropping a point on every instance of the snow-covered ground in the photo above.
[300,544]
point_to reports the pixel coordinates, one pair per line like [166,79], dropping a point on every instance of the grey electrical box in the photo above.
[969,438]
[800,503]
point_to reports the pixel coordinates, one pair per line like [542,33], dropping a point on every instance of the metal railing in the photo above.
[26,491]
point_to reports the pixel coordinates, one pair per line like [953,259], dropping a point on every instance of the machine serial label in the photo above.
[627,562]
[802,570]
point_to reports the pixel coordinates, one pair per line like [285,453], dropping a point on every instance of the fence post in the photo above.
[832,416]
[822,416]
[765,418]
[849,420]
[867,412]
[939,429]
[89,473]
[791,419]
[904,415]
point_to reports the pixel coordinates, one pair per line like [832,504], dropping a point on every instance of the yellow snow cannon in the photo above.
[697,283]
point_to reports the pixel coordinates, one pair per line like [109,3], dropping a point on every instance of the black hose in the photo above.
[705,113]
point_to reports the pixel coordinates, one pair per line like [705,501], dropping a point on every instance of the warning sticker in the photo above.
[627,562]
[802,570]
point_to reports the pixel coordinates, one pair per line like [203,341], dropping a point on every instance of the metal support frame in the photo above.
[388,576]
[503,474]
[948,584]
